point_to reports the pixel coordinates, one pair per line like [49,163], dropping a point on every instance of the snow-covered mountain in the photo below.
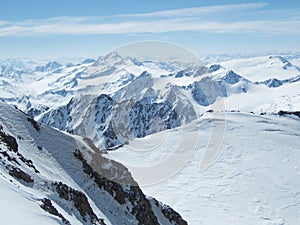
[116,99]
[50,177]
[35,86]
[228,167]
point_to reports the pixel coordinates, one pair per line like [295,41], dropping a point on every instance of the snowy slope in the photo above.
[49,177]
[253,177]
[263,68]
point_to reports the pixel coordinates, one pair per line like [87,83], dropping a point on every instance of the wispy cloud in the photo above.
[3,22]
[186,19]
[196,11]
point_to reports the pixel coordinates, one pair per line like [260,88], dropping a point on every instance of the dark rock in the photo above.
[214,68]
[173,216]
[80,202]
[48,207]
[273,83]
[179,74]
[28,162]
[170,214]
[34,123]
[10,141]
[9,158]
[12,145]
[231,77]
[296,113]
[141,207]
[21,175]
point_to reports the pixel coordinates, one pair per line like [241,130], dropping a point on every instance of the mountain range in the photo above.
[186,129]
[132,93]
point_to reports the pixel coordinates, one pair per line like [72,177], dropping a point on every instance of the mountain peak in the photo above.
[48,67]
[113,57]
[231,77]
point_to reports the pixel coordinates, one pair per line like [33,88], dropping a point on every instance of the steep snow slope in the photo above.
[254,176]
[48,177]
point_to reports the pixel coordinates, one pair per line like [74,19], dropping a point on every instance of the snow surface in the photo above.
[262,68]
[254,179]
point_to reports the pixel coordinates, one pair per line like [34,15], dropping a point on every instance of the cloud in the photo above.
[179,20]
[196,11]
[2,22]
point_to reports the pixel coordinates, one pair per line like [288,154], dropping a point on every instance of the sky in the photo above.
[45,29]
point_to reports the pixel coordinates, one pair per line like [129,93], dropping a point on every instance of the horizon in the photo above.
[68,29]
[231,56]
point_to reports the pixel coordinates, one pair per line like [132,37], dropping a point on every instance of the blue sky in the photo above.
[62,28]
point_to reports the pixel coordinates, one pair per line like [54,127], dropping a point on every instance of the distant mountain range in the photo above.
[114,99]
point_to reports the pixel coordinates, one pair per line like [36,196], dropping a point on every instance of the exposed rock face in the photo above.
[109,123]
[124,193]
[206,91]
[80,202]
[274,83]
[48,207]
[9,141]
[231,77]
[21,175]
[296,113]
[214,67]
[14,155]
[34,124]
[123,104]
[58,118]
[171,216]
